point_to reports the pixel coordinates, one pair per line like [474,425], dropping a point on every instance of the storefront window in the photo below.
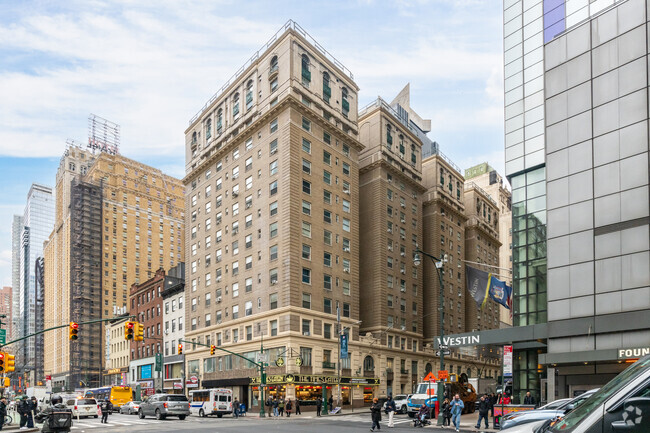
[209,365]
[193,367]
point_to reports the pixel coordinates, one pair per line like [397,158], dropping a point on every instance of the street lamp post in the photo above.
[438,263]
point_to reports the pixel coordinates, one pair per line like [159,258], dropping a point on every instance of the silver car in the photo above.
[130,408]
[163,405]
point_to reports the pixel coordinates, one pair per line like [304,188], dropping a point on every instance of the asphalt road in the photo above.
[308,423]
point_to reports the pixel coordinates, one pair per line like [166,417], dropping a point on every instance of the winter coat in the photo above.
[446,409]
[457,407]
[390,406]
[375,410]
[3,409]
[529,400]
[319,402]
[484,407]
[288,406]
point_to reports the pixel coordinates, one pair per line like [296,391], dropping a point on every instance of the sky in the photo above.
[149,66]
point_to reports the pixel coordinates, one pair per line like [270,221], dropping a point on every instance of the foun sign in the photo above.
[636,352]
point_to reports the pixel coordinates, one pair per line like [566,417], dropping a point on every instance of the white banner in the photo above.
[507,361]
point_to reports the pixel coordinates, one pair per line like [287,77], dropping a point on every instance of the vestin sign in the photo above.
[636,352]
[467,340]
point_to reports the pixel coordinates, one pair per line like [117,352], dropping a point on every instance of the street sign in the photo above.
[3,336]
[429,377]
[261,357]
[445,352]
[443,374]
[443,346]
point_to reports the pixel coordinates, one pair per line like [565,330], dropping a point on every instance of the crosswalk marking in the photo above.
[80,425]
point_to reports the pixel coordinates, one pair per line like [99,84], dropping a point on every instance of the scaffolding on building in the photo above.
[86,279]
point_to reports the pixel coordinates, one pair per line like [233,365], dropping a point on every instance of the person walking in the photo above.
[3,411]
[281,406]
[21,408]
[106,408]
[319,404]
[269,404]
[235,408]
[483,410]
[297,407]
[331,402]
[390,409]
[275,407]
[457,407]
[375,413]
[32,406]
[288,407]
[446,412]
[529,399]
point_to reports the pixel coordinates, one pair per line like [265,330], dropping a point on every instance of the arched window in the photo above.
[306,74]
[208,129]
[274,65]
[249,95]
[345,103]
[194,137]
[427,368]
[235,106]
[368,363]
[327,91]
[219,120]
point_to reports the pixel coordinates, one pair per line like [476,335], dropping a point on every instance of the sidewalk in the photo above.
[467,424]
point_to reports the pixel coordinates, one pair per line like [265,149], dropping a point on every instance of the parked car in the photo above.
[401,403]
[130,408]
[83,407]
[528,416]
[163,405]
[555,404]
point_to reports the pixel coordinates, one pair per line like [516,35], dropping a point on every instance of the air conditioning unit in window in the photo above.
[403,254]
[218,278]
[346,191]
[274,151]
[346,270]
[235,194]
[306,333]
[273,283]
[218,299]
[346,249]
[249,205]
[403,328]
[390,230]
[403,271]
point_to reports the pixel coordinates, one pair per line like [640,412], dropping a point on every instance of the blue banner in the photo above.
[344,346]
[501,292]
[145,371]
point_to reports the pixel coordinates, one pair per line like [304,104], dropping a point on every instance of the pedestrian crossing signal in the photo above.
[212,349]
[74,331]
[10,361]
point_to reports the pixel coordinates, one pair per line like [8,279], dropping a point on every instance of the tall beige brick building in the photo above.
[272,193]
[116,222]
[492,183]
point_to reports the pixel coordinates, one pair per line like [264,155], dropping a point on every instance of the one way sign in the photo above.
[445,352]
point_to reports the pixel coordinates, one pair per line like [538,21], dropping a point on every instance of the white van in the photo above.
[206,402]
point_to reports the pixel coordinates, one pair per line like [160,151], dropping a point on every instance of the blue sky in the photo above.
[151,65]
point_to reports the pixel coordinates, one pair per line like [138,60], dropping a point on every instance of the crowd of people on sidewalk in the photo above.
[279,407]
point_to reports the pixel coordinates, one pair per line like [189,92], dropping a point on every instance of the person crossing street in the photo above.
[457,407]
[106,408]
[390,408]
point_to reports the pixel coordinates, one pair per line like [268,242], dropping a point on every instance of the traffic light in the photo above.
[10,362]
[212,349]
[139,331]
[6,382]
[2,362]
[129,330]
[74,331]
[180,349]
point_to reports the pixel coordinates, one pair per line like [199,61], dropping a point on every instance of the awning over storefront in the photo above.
[314,379]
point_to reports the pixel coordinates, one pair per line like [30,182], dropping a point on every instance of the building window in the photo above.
[306,275]
[306,74]
[306,229]
[306,186]
[306,207]
[327,91]
[306,166]
[327,177]
[346,225]
[273,208]
[273,301]
[345,104]
[274,328]
[327,306]
[327,282]
[327,216]
[273,169]
[274,126]
[327,259]
[273,252]
[273,188]
[306,252]
[306,328]
[306,144]
[248,308]
[273,230]
[235,312]
[306,300]
[346,309]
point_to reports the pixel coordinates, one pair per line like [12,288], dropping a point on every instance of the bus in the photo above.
[206,402]
[118,395]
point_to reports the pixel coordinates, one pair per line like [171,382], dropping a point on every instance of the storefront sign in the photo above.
[467,340]
[194,379]
[314,379]
[636,352]
[507,361]
[146,384]
[190,384]
[178,385]
[114,371]
[145,371]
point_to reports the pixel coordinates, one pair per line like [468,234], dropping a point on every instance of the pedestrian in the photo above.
[281,406]
[297,407]
[106,408]
[457,407]
[32,406]
[288,407]
[483,410]
[21,408]
[505,399]
[390,409]
[319,404]
[446,412]
[3,411]
[269,404]
[529,399]
[375,413]
[331,402]
[235,408]
[275,407]
[493,402]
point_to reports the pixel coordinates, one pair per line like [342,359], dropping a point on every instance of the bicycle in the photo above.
[8,420]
